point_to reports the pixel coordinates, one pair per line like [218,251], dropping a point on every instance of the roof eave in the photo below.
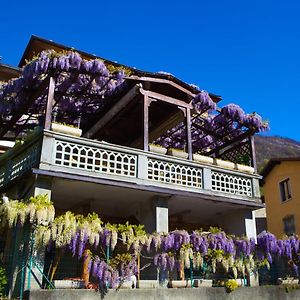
[135,71]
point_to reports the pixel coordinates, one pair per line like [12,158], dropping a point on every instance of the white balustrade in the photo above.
[174,173]
[94,159]
[231,184]
[138,166]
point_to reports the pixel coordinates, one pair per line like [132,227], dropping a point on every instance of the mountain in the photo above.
[274,146]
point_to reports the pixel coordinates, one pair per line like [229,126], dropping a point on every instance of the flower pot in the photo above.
[61,128]
[290,280]
[203,283]
[148,284]
[68,284]
[225,163]
[179,284]
[203,159]
[245,168]
[157,149]
[178,153]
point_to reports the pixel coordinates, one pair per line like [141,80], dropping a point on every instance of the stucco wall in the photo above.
[276,210]
[245,293]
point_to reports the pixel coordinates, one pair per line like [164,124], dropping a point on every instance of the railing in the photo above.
[86,157]
[16,163]
[174,173]
[94,159]
[231,184]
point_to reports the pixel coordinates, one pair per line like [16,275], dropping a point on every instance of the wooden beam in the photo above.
[159,80]
[189,133]
[112,112]
[231,143]
[167,99]
[146,123]
[253,153]
[50,103]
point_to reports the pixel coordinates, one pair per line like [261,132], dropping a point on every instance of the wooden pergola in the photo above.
[147,107]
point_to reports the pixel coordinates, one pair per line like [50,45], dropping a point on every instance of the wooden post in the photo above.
[189,134]
[50,102]
[146,122]
[253,154]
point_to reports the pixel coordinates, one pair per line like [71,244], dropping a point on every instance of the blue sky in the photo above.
[246,51]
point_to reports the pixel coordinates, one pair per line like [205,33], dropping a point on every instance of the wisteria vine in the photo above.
[81,87]
[178,249]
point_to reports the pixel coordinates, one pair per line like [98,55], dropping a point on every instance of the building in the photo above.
[109,164]
[282,193]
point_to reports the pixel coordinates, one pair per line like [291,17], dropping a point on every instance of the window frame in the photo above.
[285,191]
[289,218]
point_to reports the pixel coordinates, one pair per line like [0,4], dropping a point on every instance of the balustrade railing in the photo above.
[19,163]
[79,155]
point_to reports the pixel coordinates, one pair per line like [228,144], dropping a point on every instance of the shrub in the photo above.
[3,281]
[231,285]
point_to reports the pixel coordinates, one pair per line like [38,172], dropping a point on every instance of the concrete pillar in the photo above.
[207,184]
[155,216]
[250,226]
[242,223]
[239,222]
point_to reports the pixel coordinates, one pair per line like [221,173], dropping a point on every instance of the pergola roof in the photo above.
[37,44]
[83,86]
[8,72]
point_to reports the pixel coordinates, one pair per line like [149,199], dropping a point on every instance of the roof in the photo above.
[8,72]
[37,44]
[276,161]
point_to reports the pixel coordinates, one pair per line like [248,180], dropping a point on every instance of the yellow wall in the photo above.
[277,210]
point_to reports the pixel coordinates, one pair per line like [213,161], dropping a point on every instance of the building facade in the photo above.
[109,164]
[282,193]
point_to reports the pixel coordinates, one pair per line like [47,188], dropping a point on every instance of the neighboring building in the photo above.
[281,183]
[110,169]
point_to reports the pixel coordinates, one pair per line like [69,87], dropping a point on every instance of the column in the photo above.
[146,123]
[153,213]
[189,133]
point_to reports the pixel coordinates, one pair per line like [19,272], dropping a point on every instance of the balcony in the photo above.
[55,154]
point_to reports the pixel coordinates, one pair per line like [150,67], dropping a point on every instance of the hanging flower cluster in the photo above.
[215,248]
[269,247]
[202,102]
[177,249]
[37,210]
[212,130]
[81,85]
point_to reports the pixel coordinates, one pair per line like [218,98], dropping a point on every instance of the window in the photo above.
[285,190]
[289,225]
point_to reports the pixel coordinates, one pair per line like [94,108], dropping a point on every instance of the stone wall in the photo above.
[243,293]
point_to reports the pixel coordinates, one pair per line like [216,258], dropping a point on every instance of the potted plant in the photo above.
[157,149]
[66,129]
[225,163]
[203,159]
[178,153]
[243,163]
[244,168]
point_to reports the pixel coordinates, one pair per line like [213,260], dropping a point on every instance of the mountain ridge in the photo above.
[267,147]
